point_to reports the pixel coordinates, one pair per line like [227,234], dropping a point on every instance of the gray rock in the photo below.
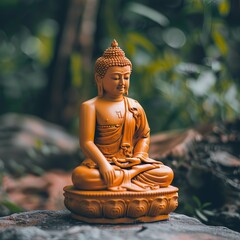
[28,233]
[58,225]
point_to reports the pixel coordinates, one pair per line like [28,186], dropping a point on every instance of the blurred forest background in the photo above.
[185,56]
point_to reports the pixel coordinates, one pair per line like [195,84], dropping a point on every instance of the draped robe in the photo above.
[117,143]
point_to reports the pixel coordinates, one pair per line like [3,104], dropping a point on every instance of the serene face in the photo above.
[116,81]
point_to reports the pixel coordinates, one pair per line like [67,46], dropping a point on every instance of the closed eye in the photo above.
[115,77]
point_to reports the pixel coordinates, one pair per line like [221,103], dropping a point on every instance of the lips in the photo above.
[121,88]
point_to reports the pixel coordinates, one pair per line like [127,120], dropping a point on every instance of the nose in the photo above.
[121,81]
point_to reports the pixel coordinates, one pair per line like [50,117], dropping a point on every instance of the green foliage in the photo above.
[184,70]
[76,69]
[26,50]
[6,206]
[198,209]
[184,53]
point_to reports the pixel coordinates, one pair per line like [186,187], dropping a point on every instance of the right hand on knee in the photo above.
[108,173]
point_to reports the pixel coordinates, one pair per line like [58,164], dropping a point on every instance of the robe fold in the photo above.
[118,141]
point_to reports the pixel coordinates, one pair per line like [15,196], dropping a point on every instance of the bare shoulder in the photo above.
[89,105]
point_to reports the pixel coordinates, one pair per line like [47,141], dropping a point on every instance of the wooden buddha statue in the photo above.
[115,137]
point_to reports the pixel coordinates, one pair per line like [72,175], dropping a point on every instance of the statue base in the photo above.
[121,207]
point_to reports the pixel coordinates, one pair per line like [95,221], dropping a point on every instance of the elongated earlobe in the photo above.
[99,85]
[100,90]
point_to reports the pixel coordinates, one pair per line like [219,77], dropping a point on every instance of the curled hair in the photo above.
[113,56]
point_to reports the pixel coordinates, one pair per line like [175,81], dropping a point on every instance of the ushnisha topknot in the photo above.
[112,56]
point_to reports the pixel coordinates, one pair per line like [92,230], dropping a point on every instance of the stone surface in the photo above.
[58,225]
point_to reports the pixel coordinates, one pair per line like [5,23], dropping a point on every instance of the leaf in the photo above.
[76,67]
[201,215]
[197,201]
[47,31]
[208,213]
[11,206]
[224,7]
[193,7]
[148,12]
[207,204]
[220,42]
[163,64]
[138,39]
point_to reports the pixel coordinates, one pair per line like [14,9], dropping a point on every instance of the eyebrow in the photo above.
[120,73]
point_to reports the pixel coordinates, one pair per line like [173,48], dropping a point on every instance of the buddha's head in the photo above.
[113,56]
